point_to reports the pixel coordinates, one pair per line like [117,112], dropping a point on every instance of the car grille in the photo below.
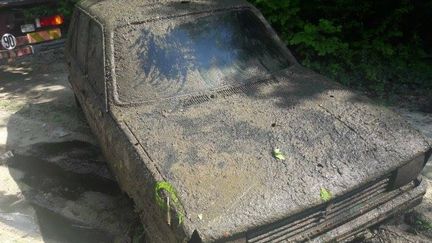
[246,88]
[315,221]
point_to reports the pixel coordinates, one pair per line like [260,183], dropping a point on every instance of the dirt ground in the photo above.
[56,187]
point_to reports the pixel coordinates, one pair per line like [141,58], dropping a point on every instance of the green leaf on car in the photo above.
[278,154]
[325,195]
[172,194]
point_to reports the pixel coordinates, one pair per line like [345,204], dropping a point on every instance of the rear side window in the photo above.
[72,34]
[81,39]
[85,45]
[95,59]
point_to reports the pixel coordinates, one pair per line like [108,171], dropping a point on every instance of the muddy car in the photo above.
[25,29]
[218,134]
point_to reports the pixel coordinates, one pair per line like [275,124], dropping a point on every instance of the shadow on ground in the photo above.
[72,192]
[61,189]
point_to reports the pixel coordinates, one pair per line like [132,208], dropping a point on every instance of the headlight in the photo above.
[408,172]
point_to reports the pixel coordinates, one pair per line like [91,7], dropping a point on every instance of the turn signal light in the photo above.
[49,21]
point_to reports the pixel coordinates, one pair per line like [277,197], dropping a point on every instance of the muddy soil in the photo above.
[57,187]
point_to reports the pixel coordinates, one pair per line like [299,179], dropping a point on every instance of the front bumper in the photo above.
[344,216]
[351,229]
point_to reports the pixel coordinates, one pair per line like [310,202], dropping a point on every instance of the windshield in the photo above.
[190,54]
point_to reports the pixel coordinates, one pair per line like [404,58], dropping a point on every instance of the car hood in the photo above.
[217,150]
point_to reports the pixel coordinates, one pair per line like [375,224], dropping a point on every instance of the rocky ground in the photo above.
[56,187]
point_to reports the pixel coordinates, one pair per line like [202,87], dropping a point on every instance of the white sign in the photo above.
[8,41]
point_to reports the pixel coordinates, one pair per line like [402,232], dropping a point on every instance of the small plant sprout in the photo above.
[325,195]
[278,154]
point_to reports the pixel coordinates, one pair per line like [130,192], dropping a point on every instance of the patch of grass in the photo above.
[11,105]
[418,223]
[422,225]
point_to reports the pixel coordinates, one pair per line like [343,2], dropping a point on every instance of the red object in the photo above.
[50,21]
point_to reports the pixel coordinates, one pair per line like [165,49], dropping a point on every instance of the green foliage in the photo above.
[423,225]
[172,194]
[320,38]
[281,14]
[325,195]
[418,222]
[63,7]
[383,46]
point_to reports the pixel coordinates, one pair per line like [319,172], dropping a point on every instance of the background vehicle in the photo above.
[189,98]
[25,29]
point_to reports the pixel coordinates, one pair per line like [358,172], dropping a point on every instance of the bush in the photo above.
[382,46]
[63,7]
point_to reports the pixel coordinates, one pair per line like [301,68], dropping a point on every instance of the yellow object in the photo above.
[45,35]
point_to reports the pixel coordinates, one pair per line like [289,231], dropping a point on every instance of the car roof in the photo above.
[113,13]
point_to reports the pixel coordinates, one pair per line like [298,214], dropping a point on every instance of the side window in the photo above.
[95,59]
[81,41]
[72,34]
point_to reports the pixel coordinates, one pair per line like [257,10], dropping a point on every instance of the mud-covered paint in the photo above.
[215,148]
[325,145]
